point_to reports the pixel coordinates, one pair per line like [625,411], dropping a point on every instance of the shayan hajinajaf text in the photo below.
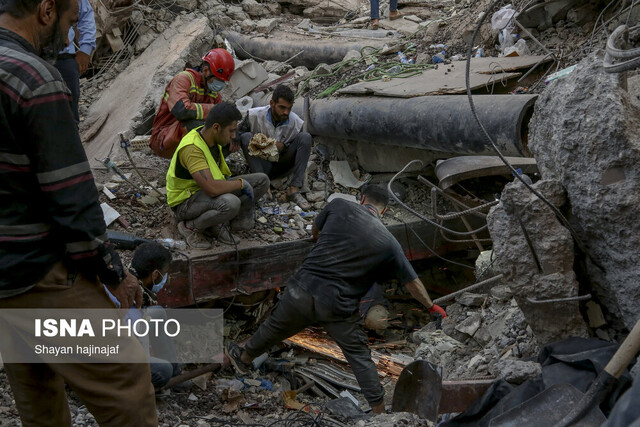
[84,350]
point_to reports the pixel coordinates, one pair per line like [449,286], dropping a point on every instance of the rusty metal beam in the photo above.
[260,268]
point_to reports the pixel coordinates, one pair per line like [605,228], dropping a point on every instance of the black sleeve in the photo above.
[321,219]
[244,125]
[402,268]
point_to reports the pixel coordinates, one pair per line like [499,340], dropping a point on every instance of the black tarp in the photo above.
[575,361]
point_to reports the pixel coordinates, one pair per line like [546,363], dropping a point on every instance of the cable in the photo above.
[419,215]
[407,226]
[559,214]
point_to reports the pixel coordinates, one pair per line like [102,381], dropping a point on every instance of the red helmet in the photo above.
[221,63]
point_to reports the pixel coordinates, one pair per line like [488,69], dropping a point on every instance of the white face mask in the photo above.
[158,286]
[216,86]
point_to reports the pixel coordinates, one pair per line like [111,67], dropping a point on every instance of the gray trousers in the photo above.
[297,310]
[293,158]
[203,212]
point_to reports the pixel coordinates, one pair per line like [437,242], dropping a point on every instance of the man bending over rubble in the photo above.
[198,191]
[277,121]
[353,249]
[187,100]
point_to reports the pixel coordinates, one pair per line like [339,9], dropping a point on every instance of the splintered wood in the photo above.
[388,365]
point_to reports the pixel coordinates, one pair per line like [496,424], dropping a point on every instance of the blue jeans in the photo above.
[375,7]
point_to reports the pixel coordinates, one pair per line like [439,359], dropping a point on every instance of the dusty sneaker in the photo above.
[234,353]
[223,235]
[299,200]
[194,239]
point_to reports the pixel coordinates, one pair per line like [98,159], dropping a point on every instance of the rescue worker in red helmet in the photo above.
[187,100]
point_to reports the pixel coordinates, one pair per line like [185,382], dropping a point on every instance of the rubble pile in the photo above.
[485,334]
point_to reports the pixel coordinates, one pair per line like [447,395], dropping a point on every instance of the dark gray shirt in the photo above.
[354,250]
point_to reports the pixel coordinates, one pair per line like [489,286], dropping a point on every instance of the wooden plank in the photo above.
[448,79]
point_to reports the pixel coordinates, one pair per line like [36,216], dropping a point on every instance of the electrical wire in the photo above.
[557,212]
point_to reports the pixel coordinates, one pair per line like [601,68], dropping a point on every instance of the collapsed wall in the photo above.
[585,133]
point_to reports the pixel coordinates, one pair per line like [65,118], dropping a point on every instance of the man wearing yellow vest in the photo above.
[198,189]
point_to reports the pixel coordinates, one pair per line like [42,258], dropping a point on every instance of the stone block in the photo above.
[254,9]
[352,54]
[470,325]
[265,26]
[516,371]
[247,25]
[323,70]
[470,299]
[315,196]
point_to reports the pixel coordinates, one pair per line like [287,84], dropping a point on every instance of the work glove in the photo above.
[436,309]
[246,189]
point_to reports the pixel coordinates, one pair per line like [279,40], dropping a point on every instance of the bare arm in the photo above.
[215,187]
[418,291]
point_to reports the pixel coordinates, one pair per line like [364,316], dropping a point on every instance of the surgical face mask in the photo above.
[158,286]
[216,86]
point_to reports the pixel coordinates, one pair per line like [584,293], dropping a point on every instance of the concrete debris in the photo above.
[352,54]
[539,261]
[265,26]
[247,76]
[470,325]
[253,8]
[471,300]
[516,371]
[600,179]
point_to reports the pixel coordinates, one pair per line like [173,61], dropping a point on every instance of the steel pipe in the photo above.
[315,51]
[437,123]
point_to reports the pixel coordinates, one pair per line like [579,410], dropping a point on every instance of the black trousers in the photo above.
[293,158]
[68,68]
[299,309]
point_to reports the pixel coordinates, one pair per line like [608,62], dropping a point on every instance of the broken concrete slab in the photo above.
[247,76]
[583,153]
[142,84]
[342,174]
[447,78]
[547,273]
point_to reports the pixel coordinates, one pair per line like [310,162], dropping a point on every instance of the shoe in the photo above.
[224,236]
[374,24]
[194,239]
[183,387]
[398,15]
[234,353]
[299,200]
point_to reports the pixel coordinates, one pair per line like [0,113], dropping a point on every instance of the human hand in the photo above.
[128,292]
[83,61]
[279,146]
[436,309]
[234,146]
